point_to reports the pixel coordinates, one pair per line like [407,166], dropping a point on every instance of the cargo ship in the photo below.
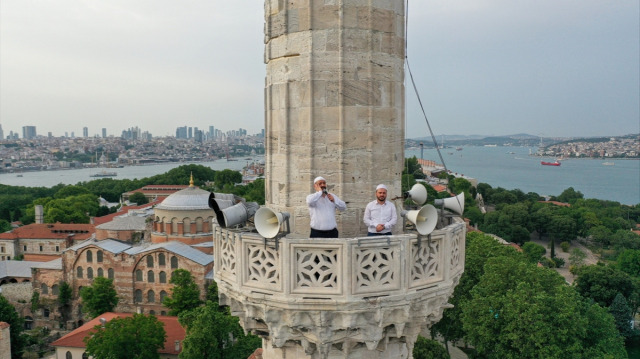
[556,163]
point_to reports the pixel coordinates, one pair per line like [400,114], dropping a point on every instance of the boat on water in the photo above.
[608,163]
[18,175]
[556,163]
[104,173]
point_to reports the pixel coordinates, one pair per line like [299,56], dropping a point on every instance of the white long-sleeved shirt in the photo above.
[323,212]
[376,213]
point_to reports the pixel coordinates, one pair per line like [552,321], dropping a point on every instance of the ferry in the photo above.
[104,173]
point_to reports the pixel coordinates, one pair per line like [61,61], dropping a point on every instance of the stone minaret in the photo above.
[334,102]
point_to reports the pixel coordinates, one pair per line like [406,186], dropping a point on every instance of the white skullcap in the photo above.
[319,178]
[381,186]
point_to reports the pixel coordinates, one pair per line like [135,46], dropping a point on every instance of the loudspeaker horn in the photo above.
[418,194]
[455,204]
[268,221]
[236,214]
[425,219]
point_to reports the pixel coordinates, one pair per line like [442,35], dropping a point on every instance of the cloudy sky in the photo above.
[487,67]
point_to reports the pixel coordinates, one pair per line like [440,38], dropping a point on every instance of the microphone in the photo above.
[324,190]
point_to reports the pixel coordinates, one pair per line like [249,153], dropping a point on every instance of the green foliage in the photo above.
[577,257]
[565,246]
[70,191]
[100,297]
[479,248]
[562,228]
[622,316]
[64,299]
[138,198]
[5,226]
[602,284]
[252,192]
[35,301]
[73,209]
[569,195]
[533,252]
[629,262]
[515,299]
[139,336]
[226,179]
[413,168]
[429,349]
[185,294]
[9,315]
[214,334]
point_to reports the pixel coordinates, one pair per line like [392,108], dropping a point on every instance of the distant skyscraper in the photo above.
[190,132]
[28,132]
[1,133]
[85,132]
[212,132]
[181,132]
[104,133]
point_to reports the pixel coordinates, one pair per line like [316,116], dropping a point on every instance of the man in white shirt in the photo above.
[322,210]
[380,215]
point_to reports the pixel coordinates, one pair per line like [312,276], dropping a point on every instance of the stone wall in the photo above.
[16,292]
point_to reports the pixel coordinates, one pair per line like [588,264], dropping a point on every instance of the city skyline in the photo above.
[555,69]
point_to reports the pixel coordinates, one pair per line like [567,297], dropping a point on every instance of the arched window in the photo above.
[174,262]
[138,275]
[44,289]
[54,289]
[99,256]
[174,226]
[68,355]
[151,296]
[152,312]
[199,226]
[161,261]
[150,261]
[100,272]
[110,273]
[89,273]
[137,297]
[46,312]
[163,313]
[89,256]
[163,295]
[163,277]
[79,272]
[150,277]
[186,226]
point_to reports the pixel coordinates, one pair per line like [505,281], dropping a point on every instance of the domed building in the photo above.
[184,216]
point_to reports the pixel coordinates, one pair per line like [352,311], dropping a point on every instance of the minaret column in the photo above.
[334,99]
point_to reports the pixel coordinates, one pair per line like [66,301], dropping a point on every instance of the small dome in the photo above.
[190,198]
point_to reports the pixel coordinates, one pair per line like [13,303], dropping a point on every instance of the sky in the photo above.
[552,68]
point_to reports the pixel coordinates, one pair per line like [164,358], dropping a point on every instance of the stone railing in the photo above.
[331,298]
[339,270]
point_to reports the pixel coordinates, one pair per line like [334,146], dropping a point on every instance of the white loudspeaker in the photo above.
[455,204]
[418,194]
[236,214]
[425,219]
[268,222]
[227,196]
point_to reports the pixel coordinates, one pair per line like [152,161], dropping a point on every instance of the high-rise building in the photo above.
[104,133]
[1,133]
[28,132]
[85,132]
[181,132]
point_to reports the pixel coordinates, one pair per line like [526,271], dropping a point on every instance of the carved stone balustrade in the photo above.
[365,297]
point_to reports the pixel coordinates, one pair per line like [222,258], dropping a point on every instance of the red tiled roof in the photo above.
[561,204]
[4,325]
[123,210]
[51,231]
[256,355]
[439,188]
[172,327]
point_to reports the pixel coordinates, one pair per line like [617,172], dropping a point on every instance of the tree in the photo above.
[621,313]
[429,349]
[138,198]
[100,297]
[577,257]
[139,336]
[64,298]
[629,262]
[540,220]
[214,334]
[519,310]
[9,315]
[227,177]
[533,252]
[570,195]
[185,294]
[602,284]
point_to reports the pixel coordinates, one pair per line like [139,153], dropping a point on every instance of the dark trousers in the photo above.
[369,234]
[316,233]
